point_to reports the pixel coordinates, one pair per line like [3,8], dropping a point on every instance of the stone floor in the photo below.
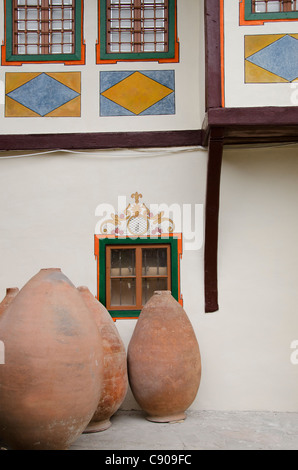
[202,430]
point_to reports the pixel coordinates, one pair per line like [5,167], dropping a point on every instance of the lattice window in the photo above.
[274,6]
[134,273]
[137,26]
[43,27]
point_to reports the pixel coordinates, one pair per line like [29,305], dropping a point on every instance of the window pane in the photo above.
[123,262]
[154,262]
[273,6]
[123,292]
[149,285]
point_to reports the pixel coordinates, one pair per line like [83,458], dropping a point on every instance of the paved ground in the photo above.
[201,430]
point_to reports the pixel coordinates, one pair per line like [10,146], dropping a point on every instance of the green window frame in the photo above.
[105,56]
[101,245]
[250,15]
[77,56]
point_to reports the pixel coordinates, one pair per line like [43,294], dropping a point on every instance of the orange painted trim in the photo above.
[244,22]
[180,251]
[175,59]
[160,61]
[222,52]
[162,235]
[82,61]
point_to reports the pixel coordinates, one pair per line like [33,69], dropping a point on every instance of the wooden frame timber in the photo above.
[215,152]
[101,140]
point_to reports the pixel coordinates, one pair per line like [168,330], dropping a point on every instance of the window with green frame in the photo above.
[43,31]
[130,270]
[271,9]
[137,30]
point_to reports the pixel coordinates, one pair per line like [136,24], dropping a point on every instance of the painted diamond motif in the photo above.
[43,94]
[137,93]
[280,58]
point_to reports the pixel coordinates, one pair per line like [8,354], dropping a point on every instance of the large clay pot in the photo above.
[11,292]
[51,381]
[115,380]
[164,361]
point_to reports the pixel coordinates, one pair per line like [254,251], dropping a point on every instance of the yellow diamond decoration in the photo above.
[137,93]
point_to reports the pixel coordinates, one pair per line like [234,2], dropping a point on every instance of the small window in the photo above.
[270,10]
[133,274]
[130,271]
[43,30]
[137,30]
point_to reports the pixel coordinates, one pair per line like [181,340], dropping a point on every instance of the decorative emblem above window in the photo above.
[137,220]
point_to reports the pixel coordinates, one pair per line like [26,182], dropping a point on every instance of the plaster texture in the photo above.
[202,430]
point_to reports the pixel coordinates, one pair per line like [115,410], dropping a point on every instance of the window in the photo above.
[43,30]
[137,30]
[269,10]
[133,274]
[130,270]
[269,6]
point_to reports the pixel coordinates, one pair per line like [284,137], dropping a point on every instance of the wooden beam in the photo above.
[258,116]
[215,149]
[213,54]
[104,140]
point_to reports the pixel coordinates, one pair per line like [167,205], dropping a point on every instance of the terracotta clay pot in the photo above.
[52,377]
[11,292]
[115,380]
[164,361]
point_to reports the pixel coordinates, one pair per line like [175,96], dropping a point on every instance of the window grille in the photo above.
[271,6]
[134,273]
[137,26]
[43,27]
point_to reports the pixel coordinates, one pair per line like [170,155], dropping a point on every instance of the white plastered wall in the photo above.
[237,92]
[47,219]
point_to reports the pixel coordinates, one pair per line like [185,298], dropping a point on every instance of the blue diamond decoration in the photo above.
[280,58]
[43,94]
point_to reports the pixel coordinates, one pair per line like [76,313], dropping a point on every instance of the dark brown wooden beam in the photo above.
[106,140]
[260,116]
[213,58]
[215,150]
